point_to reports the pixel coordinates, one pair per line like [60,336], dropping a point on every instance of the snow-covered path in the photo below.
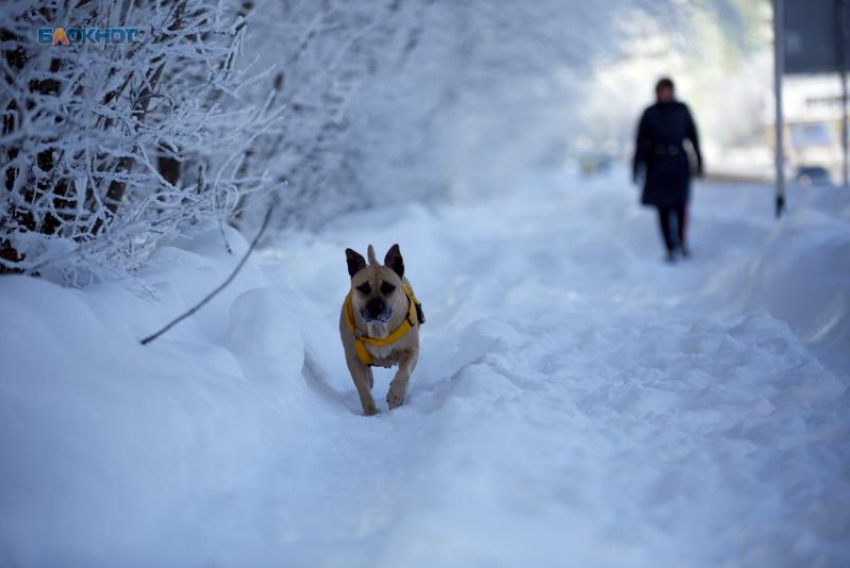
[577,402]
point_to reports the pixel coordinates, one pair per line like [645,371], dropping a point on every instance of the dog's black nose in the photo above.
[375,307]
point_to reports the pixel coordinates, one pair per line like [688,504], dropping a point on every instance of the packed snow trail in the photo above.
[577,401]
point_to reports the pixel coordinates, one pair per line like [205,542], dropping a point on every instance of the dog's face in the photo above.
[376,289]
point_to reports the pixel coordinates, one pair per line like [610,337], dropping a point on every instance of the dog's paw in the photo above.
[395,399]
[370,411]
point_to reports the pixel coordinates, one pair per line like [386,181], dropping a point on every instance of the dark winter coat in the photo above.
[659,149]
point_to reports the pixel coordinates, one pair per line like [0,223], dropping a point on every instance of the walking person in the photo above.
[660,154]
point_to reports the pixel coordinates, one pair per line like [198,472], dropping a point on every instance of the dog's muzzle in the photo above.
[376,310]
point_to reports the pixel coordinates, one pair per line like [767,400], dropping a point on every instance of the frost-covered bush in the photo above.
[408,100]
[106,148]
[325,55]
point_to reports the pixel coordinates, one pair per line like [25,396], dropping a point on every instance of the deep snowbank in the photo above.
[121,455]
[577,402]
[800,273]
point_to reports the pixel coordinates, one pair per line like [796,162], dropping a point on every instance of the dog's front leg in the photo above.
[398,386]
[362,377]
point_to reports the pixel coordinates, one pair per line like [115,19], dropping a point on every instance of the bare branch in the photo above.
[221,287]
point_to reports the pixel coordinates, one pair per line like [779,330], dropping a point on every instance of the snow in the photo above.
[577,401]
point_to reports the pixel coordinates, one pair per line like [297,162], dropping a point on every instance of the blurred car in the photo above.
[812,175]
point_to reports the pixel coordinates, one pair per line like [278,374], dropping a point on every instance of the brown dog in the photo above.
[379,324]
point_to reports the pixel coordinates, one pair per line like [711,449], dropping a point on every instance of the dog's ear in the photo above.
[355,261]
[394,261]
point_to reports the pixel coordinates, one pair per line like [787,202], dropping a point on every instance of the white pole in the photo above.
[844,140]
[844,135]
[841,38]
[778,71]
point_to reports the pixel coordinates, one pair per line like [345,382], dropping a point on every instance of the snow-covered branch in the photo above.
[102,144]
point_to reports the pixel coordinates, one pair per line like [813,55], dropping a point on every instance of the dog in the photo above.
[379,324]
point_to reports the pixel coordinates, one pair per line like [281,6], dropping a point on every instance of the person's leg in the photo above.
[666,231]
[682,222]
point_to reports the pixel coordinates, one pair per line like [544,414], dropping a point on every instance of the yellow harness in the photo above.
[360,341]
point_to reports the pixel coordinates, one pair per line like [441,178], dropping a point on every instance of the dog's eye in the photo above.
[365,288]
[387,288]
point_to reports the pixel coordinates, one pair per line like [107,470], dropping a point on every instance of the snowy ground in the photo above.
[577,402]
